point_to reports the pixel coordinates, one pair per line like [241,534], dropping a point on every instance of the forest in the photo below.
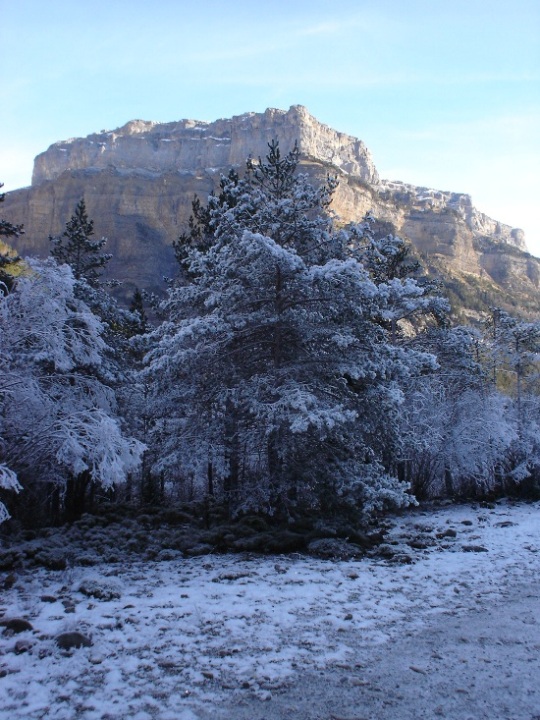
[294,368]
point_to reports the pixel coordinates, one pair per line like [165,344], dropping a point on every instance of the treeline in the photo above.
[294,367]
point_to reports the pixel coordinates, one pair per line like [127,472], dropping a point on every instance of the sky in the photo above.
[445,95]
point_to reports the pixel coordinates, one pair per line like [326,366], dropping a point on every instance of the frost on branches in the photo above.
[59,419]
[473,428]
[456,428]
[274,383]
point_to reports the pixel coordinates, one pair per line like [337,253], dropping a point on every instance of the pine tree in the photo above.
[272,385]
[7,229]
[272,199]
[411,296]
[7,259]
[59,423]
[140,324]
[76,248]
[204,219]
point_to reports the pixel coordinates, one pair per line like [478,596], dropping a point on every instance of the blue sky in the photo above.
[445,95]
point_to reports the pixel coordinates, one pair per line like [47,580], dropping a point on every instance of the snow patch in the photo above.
[190,638]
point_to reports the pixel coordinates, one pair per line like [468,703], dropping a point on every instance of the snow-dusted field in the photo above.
[448,628]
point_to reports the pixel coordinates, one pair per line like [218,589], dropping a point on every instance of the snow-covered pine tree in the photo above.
[8,258]
[408,296]
[84,255]
[8,229]
[139,326]
[59,422]
[272,384]
[76,248]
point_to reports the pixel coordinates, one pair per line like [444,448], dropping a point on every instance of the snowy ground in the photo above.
[448,628]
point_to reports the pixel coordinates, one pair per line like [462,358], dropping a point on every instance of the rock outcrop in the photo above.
[139,181]
[191,146]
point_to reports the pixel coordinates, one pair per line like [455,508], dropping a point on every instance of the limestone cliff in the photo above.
[190,145]
[139,180]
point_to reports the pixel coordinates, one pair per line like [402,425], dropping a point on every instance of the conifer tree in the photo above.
[272,385]
[7,259]
[140,324]
[7,229]
[76,248]
[60,430]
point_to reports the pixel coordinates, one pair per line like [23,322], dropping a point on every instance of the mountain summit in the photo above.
[192,146]
[139,180]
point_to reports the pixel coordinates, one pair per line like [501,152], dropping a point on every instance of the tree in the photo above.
[140,324]
[514,347]
[8,481]
[272,385]
[8,259]
[59,424]
[76,248]
[7,229]
[204,218]
[457,428]
[410,297]
[272,199]
[86,259]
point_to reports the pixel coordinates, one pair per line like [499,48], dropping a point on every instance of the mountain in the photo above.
[139,180]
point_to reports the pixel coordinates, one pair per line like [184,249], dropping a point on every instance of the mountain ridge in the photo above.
[139,181]
[200,145]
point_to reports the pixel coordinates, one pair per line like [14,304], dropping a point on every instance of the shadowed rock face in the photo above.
[139,181]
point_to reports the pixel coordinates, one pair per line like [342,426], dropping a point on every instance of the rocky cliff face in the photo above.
[189,145]
[139,180]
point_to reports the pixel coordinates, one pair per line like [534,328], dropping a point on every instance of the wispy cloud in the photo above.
[329,27]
